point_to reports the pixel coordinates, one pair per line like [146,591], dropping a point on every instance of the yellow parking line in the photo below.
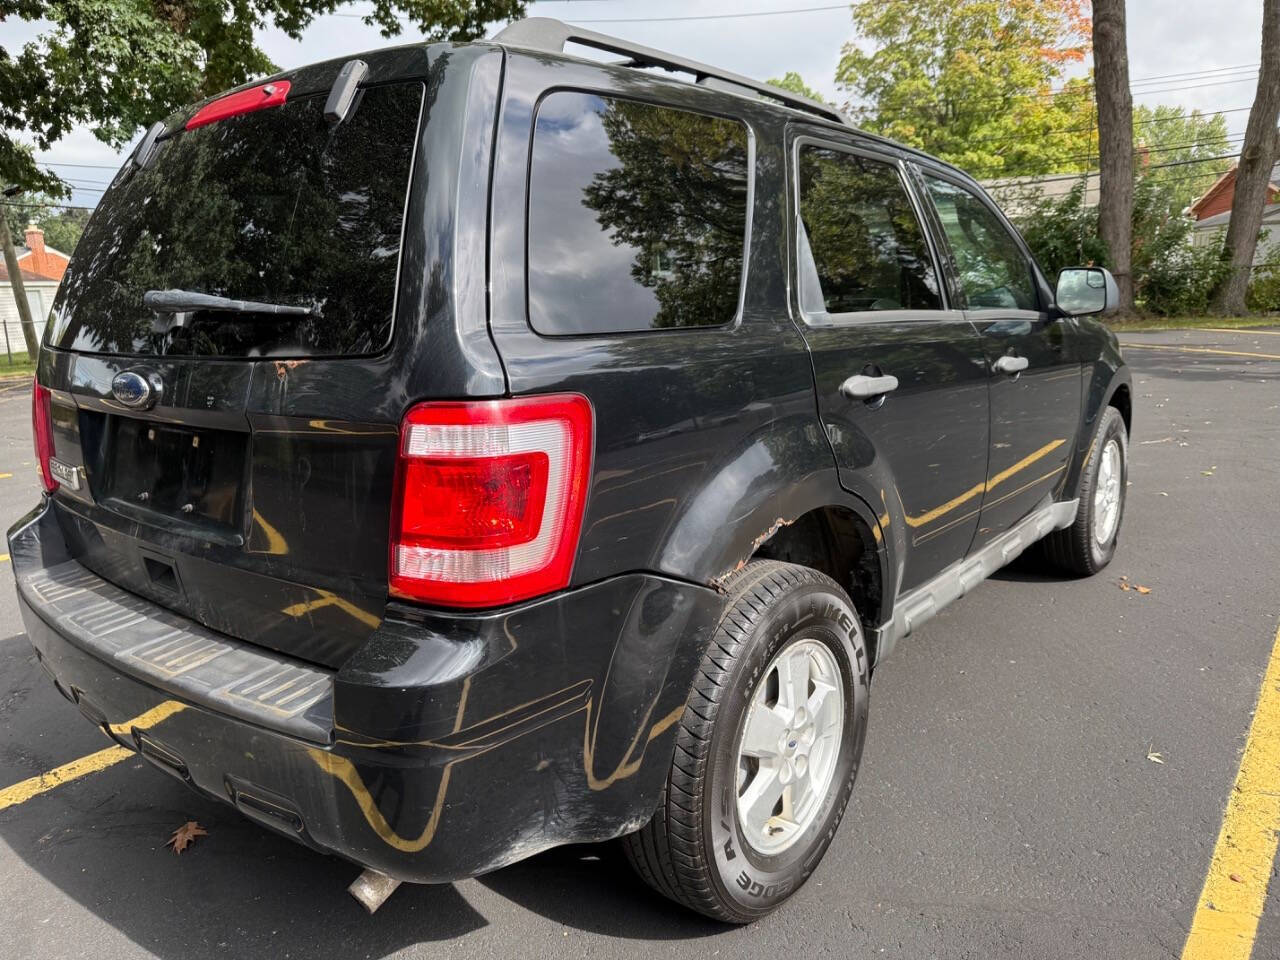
[1245,330]
[1225,353]
[24,791]
[5,476]
[1226,918]
[4,558]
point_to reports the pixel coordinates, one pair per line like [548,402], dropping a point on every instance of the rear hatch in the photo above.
[235,459]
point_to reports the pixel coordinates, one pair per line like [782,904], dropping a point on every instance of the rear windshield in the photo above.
[277,207]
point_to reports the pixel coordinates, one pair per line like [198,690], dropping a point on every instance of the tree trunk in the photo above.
[1257,157]
[19,290]
[1115,141]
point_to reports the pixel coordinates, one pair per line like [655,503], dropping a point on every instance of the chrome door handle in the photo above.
[1007,364]
[860,387]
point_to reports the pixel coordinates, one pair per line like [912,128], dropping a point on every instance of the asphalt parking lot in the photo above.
[1011,802]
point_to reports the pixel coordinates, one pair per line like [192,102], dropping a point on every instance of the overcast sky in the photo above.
[1164,38]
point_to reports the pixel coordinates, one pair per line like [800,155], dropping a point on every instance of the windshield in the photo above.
[277,207]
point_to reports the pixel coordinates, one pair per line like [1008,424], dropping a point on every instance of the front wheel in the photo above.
[1089,543]
[767,749]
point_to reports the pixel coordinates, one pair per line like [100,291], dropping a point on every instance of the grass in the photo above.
[21,366]
[1138,323]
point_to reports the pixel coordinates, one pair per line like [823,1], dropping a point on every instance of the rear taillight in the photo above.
[42,431]
[489,499]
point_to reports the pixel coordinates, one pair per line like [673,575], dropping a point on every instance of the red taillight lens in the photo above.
[489,499]
[42,431]
[245,101]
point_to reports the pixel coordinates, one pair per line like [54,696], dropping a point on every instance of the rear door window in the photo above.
[865,240]
[637,216]
[278,206]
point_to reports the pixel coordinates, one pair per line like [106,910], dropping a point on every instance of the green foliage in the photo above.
[795,83]
[1167,134]
[1062,232]
[1171,275]
[972,81]
[62,226]
[117,65]
[1264,287]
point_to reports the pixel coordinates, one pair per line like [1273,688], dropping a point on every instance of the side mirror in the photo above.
[1087,290]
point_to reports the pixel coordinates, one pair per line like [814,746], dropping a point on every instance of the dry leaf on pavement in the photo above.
[1154,756]
[185,835]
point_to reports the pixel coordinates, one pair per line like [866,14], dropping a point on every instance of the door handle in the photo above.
[862,387]
[1008,364]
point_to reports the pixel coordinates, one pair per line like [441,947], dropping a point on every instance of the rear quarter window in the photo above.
[637,216]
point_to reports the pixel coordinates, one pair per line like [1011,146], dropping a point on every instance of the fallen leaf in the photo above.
[1206,473]
[1236,878]
[1162,494]
[1153,756]
[1142,590]
[185,835]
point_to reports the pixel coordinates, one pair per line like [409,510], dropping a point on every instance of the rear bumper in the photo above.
[445,747]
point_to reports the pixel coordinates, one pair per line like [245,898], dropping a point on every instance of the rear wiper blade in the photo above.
[183,301]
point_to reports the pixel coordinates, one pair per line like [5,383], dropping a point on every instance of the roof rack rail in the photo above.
[549,34]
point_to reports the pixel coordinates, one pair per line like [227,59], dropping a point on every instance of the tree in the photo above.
[679,197]
[973,81]
[1257,157]
[62,226]
[1167,134]
[117,65]
[1115,141]
[795,83]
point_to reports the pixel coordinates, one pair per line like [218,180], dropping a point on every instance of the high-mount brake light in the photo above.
[489,499]
[261,97]
[42,433]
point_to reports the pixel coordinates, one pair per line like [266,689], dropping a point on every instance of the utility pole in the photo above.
[15,279]
[1115,141]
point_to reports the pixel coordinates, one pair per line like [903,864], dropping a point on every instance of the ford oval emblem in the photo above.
[134,390]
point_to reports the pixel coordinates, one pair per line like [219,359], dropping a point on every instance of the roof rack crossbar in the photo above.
[551,35]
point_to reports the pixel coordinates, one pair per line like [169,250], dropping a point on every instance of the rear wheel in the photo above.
[1089,543]
[767,749]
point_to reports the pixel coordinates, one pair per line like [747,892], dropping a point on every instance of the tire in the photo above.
[1077,549]
[777,616]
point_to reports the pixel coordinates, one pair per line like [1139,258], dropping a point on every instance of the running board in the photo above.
[922,604]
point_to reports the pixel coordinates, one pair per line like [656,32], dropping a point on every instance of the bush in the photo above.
[1181,278]
[1062,232]
[1264,287]
[1170,275]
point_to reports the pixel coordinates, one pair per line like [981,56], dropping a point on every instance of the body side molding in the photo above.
[924,602]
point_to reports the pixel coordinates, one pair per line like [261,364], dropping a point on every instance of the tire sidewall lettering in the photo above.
[753,881]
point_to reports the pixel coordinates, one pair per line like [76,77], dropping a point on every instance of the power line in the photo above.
[58,206]
[1058,178]
[1136,123]
[87,166]
[706,16]
[1170,76]
[1230,76]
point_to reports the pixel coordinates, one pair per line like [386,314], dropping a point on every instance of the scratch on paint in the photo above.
[718,582]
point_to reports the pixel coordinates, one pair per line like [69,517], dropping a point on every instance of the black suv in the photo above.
[469,449]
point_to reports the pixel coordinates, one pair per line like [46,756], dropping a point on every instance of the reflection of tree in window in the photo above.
[993,273]
[680,193]
[278,206]
[866,241]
